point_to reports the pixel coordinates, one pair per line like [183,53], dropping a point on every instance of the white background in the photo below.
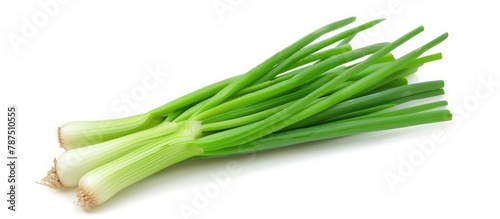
[91,53]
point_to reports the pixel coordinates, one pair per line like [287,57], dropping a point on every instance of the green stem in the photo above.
[330,130]
[408,110]
[301,78]
[418,96]
[297,111]
[320,55]
[368,101]
[313,48]
[267,65]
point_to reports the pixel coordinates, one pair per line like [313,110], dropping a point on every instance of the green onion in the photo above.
[306,92]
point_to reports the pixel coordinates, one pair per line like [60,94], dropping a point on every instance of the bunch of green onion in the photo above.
[311,90]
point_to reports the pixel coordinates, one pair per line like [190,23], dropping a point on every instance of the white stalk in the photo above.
[72,165]
[82,133]
[100,184]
